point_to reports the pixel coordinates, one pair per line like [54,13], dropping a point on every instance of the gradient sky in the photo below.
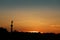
[31,15]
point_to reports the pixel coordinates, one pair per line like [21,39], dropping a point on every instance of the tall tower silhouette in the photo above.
[12,26]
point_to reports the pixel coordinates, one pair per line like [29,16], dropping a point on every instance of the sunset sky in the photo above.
[31,15]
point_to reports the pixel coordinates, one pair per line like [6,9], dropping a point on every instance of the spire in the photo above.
[12,26]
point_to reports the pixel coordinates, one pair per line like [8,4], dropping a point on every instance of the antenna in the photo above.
[11,26]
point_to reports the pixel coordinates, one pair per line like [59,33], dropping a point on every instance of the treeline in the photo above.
[5,35]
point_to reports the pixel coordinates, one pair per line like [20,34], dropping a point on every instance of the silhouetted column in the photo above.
[11,26]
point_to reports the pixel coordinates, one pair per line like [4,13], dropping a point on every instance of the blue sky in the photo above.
[28,3]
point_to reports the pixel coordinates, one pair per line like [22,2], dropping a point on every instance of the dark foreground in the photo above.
[4,35]
[29,36]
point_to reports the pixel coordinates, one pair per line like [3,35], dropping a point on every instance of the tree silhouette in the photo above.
[3,30]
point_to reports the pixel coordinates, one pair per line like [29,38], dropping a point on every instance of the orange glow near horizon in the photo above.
[33,31]
[32,20]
